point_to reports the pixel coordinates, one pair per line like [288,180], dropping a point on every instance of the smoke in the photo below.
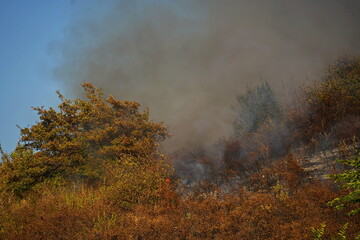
[187,60]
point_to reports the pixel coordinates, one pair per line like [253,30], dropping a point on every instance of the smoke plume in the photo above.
[187,60]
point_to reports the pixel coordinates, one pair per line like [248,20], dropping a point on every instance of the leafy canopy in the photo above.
[80,140]
[336,98]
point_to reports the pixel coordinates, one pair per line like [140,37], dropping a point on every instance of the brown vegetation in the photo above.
[93,170]
[86,214]
[331,106]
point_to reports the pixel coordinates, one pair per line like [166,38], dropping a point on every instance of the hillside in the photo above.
[94,169]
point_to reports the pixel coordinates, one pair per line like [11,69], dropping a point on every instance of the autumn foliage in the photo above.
[331,106]
[88,142]
[93,169]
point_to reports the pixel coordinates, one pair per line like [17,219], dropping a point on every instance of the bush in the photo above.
[129,183]
[333,105]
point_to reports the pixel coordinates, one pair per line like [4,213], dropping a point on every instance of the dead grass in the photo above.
[284,208]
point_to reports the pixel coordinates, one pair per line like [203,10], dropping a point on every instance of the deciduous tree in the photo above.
[79,141]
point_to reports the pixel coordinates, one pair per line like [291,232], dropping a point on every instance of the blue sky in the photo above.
[31,36]
[28,32]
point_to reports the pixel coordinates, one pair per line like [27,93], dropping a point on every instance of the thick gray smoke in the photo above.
[188,59]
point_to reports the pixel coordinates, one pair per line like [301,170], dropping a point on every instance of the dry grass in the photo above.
[286,210]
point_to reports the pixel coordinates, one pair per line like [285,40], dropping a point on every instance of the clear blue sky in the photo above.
[28,32]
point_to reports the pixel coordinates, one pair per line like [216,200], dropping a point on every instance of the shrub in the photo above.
[129,183]
[334,103]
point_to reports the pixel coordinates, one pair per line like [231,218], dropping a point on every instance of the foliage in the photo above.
[86,213]
[282,176]
[318,232]
[341,234]
[334,102]
[255,107]
[129,183]
[78,141]
[92,170]
[351,182]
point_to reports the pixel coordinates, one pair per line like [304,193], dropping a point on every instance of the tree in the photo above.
[335,100]
[254,108]
[81,141]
